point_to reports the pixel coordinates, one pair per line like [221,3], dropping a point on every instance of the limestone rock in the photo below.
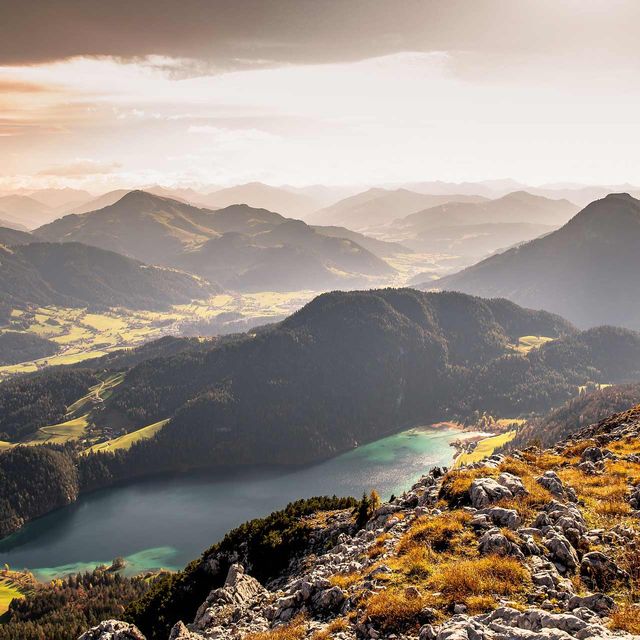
[599,571]
[113,630]
[485,491]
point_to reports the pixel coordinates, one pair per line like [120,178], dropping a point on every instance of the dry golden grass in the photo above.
[475,582]
[446,532]
[544,460]
[345,580]
[575,450]
[626,618]
[392,609]
[536,497]
[378,547]
[626,446]
[605,496]
[414,565]
[295,630]
[335,626]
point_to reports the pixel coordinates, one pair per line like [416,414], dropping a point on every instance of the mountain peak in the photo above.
[140,196]
[622,196]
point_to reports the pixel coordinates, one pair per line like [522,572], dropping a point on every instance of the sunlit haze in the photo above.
[532,91]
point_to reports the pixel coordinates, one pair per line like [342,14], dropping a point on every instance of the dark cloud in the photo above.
[247,33]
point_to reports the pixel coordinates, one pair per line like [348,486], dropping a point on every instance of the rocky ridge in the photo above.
[530,544]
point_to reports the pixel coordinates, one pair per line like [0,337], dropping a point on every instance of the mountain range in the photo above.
[263,196]
[377,207]
[238,246]
[586,271]
[77,275]
[24,211]
[479,228]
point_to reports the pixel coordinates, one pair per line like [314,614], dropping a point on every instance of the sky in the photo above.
[101,95]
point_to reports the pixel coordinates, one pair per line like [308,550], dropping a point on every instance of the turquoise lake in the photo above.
[168,521]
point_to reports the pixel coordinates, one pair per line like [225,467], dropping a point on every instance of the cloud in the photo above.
[81,168]
[223,135]
[220,35]
[16,86]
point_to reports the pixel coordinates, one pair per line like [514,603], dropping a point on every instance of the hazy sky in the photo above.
[103,94]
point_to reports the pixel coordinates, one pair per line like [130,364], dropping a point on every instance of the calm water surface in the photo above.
[168,521]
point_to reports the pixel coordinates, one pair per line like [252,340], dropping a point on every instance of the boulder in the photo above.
[513,483]
[485,491]
[592,454]
[500,517]
[495,542]
[561,552]
[233,602]
[599,571]
[553,484]
[597,602]
[113,630]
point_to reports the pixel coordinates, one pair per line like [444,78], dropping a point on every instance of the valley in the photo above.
[83,335]
[141,520]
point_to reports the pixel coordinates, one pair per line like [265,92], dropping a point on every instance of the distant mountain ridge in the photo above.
[586,271]
[76,275]
[380,206]
[10,236]
[515,207]
[263,196]
[238,246]
[25,211]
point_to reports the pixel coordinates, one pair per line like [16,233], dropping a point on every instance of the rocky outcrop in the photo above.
[506,623]
[486,491]
[113,630]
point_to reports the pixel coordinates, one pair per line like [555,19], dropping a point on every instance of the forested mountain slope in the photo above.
[587,271]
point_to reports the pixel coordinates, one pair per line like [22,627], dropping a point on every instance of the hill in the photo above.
[25,211]
[263,196]
[585,271]
[10,236]
[238,246]
[72,274]
[518,206]
[19,347]
[138,224]
[379,206]
[99,202]
[378,247]
[61,199]
[585,409]
[474,240]
[346,369]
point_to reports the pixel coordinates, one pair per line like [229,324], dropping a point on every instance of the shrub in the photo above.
[626,618]
[391,609]
[475,581]
[445,532]
[416,564]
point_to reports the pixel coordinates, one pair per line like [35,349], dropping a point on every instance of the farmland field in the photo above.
[60,433]
[83,335]
[485,448]
[125,441]
[9,589]
[526,343]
